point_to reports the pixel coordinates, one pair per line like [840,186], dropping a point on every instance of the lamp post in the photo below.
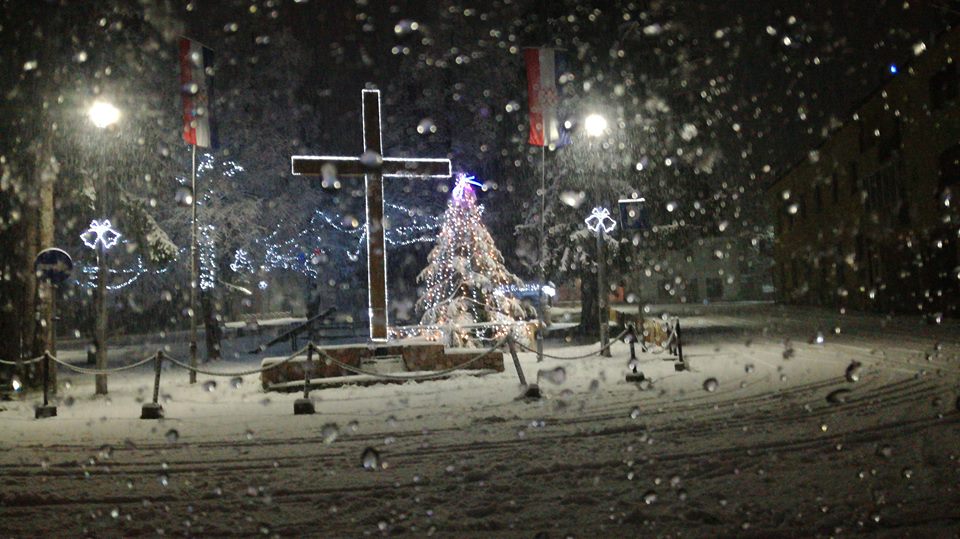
[186,198]
[101,236]
[600,223]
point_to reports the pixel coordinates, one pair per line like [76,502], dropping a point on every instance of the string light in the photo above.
[463,274]
[100,232]
[241,262]
[600,219]
[208,257]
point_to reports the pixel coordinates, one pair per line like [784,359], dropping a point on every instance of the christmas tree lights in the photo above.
[465,277]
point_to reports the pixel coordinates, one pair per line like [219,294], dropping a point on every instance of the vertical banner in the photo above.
[196,88]
[543,66]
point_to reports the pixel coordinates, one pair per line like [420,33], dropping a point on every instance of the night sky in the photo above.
[784,71]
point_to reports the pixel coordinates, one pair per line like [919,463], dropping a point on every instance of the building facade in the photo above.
[869,219]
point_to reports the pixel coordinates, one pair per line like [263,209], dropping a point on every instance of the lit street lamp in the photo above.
[103,114]
[101,236]
[595,125]
[600,223]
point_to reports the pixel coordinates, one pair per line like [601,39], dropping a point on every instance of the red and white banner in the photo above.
[196,87]
[543,96]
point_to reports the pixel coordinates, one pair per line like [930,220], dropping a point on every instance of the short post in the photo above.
[516,361]
[531,391]
[46,410]
[681,365]
[303,405]
[635,375]
[154,410]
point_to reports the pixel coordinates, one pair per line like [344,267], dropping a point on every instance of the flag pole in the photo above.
[541,327]
[193,266]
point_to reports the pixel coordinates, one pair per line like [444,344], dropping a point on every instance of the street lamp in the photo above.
[595,125]
[103,114]
[600,223]
[101,236]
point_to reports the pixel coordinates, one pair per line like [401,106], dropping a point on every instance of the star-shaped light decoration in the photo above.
[600,220]
[464,185]
[100,232]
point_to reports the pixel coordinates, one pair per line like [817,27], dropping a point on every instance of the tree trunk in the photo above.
[47,169]
[589,326]
[12,291]
[211,324]
[28,305]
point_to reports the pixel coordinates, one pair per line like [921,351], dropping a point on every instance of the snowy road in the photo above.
[764,454]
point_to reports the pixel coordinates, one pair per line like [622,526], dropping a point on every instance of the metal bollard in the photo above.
[679,343]
[154,410]
[632,339]
[47,409]
[530,391]
[516,361]
[304,406]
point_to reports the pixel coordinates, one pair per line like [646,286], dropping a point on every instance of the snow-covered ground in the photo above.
[764,454]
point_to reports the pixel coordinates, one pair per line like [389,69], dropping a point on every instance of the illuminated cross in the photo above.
[373,167]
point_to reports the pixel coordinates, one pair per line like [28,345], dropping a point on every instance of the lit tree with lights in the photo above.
[465,281]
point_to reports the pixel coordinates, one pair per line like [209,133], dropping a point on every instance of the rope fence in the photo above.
[235,374]
[84,370]
[153,410]
[30,361]
[584,356]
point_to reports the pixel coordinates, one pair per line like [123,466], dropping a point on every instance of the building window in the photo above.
[944,87]
[868,135]
[882,192]
[950,167]
[714,288]
[665,291]
[693,291]
[889,138]
[853,177]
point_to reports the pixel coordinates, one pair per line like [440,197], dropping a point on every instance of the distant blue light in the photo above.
[893,69]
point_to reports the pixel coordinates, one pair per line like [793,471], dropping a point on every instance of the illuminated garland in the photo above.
[208,257]
[131,275]
[290,254]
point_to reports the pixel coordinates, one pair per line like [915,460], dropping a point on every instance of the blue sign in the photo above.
[633,214]
[53,265]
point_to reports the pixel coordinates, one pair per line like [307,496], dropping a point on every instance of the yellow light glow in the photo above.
[595,125]
[103,114]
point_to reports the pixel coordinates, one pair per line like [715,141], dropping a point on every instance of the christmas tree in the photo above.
[465,281]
